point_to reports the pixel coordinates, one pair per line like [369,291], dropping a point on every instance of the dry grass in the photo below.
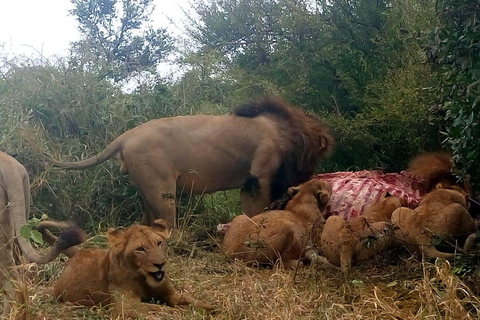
[390,287]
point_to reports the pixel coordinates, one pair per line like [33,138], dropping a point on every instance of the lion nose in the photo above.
[159,265]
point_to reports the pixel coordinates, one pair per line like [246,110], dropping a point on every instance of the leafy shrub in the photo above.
[454,50]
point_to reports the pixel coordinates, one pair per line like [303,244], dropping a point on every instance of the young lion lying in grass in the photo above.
[128,276]
[441,215]
[279,235]
[345,243]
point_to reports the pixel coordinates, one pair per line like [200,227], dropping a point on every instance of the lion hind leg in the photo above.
[158,197]
[428,249]
[432,252]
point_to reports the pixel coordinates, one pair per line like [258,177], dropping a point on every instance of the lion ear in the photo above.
[293,191]
[324,191]
[159,226]
[115,236]
[441,186]
[323,196]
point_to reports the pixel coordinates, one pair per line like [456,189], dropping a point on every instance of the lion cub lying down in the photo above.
[126,276]
[279,235]
[345,243]
[442,214]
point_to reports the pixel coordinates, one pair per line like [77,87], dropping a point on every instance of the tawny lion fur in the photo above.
[279,235]
[14,213]
[345,243]
[442,214]
[128,276]
[263,148]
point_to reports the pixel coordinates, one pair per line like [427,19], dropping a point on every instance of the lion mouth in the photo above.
[160,274]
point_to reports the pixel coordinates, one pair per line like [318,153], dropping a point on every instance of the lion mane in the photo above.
[304,141]
[433,168]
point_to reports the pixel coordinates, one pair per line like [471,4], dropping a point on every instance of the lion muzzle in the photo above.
[160,274]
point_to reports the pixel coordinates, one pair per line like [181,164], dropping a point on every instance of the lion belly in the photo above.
[83,279]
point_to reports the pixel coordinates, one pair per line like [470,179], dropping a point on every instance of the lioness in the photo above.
[128,276]
[263,148]
[344,242]
[279,235]
[442,214]
[14,213]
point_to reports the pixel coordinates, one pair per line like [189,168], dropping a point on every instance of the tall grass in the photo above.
[51,109]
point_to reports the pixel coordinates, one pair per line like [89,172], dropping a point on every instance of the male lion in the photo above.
[14,213]
[263,148]
[279,235]
[129,276]
[345,242]
[441,215]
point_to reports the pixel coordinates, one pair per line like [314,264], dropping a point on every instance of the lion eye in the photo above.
[141,249]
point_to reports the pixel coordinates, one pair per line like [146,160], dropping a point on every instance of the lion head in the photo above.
[142,248]
[321,190]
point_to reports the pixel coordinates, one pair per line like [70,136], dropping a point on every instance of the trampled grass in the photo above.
[393,286]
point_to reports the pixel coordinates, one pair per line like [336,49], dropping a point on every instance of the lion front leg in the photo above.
[172,298]
[255,195]
[125,305]
[184,299]
[256,190]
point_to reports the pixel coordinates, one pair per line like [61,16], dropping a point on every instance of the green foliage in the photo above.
[455,51]
[358,64]
[323,55]
[70,114]
[116,44]
[29,231]
[466,265]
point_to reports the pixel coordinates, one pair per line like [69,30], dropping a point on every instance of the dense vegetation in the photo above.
[390,78]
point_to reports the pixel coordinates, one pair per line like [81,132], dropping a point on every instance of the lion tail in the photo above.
[109,152]
[66,242]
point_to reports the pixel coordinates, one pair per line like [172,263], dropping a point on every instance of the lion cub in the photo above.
[279,235]
[443,214]
[126,276]
[344,243]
